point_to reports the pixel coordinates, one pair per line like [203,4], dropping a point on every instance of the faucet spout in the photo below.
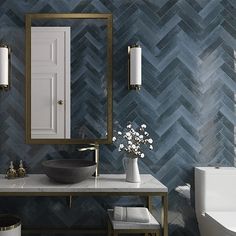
[86,149]
[95,148]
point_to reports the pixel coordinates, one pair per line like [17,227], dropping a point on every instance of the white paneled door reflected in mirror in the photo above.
[68,78]
[50,82]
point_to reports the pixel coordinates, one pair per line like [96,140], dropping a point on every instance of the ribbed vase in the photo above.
[131,169]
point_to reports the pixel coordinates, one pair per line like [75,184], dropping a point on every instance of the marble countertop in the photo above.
[104,183]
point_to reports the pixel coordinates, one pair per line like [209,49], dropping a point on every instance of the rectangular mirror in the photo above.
[68,78]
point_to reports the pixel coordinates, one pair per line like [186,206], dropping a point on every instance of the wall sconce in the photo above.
[134,67]
[5,65]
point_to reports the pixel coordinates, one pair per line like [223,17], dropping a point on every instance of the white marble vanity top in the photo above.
[108,183]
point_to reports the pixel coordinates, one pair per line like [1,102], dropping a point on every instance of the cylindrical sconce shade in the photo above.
[135,67]
[4,66]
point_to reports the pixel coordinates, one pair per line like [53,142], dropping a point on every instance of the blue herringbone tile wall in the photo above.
[187,100]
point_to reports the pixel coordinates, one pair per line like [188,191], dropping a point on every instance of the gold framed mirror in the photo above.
[68,78]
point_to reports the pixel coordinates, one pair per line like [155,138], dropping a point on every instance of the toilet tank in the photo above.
[215,189]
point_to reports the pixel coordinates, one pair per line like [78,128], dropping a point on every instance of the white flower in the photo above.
[150,140]
[132,140]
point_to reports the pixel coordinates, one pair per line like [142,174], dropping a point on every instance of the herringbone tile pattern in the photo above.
[187,99]
[89,65]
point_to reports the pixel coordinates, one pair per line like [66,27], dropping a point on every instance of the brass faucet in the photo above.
[93,147]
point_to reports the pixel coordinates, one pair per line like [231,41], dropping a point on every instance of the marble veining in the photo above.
[103,183]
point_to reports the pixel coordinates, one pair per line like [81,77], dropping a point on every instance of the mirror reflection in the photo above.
[69,91]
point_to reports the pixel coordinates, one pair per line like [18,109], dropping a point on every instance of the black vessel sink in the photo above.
[69,171]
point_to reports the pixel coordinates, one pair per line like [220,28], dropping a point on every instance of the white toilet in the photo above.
[215,200]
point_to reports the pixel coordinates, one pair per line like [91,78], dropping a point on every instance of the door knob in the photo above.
[60,102]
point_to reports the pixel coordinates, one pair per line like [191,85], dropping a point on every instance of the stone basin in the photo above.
[69,171]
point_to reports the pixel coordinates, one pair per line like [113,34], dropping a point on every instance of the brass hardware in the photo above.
[135,87]
[95,148]
[129,66]
[60,102]
[50,16]
[3,45]
[149,203]
[164,214]
[69,201]
[11,172]
[21,172]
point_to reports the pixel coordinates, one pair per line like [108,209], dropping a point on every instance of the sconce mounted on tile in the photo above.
[5,66]
[134,67]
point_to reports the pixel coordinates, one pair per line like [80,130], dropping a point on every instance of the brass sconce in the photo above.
[134,67]
[5,65]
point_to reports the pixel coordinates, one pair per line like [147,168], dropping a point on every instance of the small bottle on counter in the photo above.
[21,172]
[11,172]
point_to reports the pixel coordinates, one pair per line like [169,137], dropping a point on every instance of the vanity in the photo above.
[104,185]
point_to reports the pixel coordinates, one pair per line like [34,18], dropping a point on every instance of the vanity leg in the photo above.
[109,228]
[149,203]
[96,159]
[115,233]
[69,201]
[164,214]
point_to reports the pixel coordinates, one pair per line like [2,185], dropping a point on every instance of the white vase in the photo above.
[131,169]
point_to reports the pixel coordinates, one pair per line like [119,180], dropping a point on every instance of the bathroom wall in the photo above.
[187,100]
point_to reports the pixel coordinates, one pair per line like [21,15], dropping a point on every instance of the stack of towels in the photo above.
[132,214]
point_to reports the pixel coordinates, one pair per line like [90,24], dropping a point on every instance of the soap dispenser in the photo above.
[11,172]
[21,170]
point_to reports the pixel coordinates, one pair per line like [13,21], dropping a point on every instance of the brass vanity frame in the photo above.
[149,195]
[54,16]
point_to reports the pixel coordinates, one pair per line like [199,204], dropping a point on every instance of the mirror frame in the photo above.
[53,16]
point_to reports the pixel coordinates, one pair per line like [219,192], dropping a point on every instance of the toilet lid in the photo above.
[227,219]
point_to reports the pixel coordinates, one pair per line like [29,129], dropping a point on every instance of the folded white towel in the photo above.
[120,213]
[132,214]
[138,214]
